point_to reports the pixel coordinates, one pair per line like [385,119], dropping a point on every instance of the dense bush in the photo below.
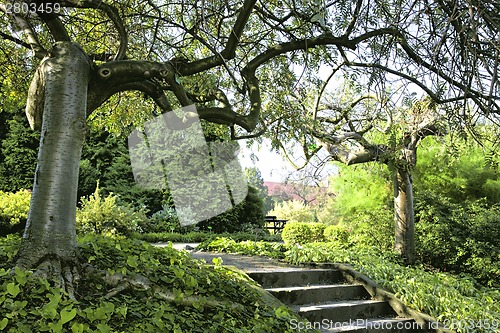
[458,169]
[106,160]
[162,221]
[18,152]
[188,295]
[459,237]
[247,214]
[14,209]
[105,216]
[303,232]
[373,228]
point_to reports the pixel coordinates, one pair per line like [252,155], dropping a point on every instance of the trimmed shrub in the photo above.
[14,208]
[104,216]
[302,233]
[337,233]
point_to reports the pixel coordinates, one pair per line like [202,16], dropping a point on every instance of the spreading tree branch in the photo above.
[113,15]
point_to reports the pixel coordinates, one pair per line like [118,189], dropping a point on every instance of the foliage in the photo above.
[18,154]
[462,238]
[30,304]
[199,236]
[374,228]
[106,160]
[293,211]
[459,169]
[260,248]
[255,180]
[14,209]
[337,233]
[359,189]
[302,233]
[162,221]
[247,214]
[105,216]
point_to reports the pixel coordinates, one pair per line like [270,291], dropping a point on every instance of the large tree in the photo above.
[237,61]
[363,131]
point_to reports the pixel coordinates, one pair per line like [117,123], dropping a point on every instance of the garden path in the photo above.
[244,262]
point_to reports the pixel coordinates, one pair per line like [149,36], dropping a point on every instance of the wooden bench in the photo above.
[272,223]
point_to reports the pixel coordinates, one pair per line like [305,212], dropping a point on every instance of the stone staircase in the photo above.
[338,299]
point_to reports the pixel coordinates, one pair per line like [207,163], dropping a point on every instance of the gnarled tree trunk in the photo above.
[49,242]
[404,215]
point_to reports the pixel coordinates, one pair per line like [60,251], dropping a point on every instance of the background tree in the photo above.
[255,180]
[224,57]
[405,129]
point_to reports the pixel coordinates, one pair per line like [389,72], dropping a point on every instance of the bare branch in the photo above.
[26,28]
[15,40]
[322,90]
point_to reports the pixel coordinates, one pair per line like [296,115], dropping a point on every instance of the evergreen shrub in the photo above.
[105,216]
[246,215]
[462,238]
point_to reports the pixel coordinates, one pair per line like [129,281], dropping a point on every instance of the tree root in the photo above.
[66,275]
[121,283]
[63,273]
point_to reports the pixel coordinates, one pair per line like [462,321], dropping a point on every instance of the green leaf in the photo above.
[132,261]
[3,323]
[103,328]
[13,289]
[77,328]
[20,276]
[67,315]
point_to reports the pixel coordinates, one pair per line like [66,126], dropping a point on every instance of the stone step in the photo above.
[297,277]
[373,325]
[319,293]
[342,311]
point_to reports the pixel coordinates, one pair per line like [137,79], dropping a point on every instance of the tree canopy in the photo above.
[253,66]
[241,62]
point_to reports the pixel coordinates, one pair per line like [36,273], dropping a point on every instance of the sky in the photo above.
[272,166]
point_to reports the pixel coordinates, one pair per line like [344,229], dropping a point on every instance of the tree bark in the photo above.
[49,241]
[404,215]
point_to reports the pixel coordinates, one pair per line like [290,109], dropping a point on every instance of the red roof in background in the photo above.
[294,192]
